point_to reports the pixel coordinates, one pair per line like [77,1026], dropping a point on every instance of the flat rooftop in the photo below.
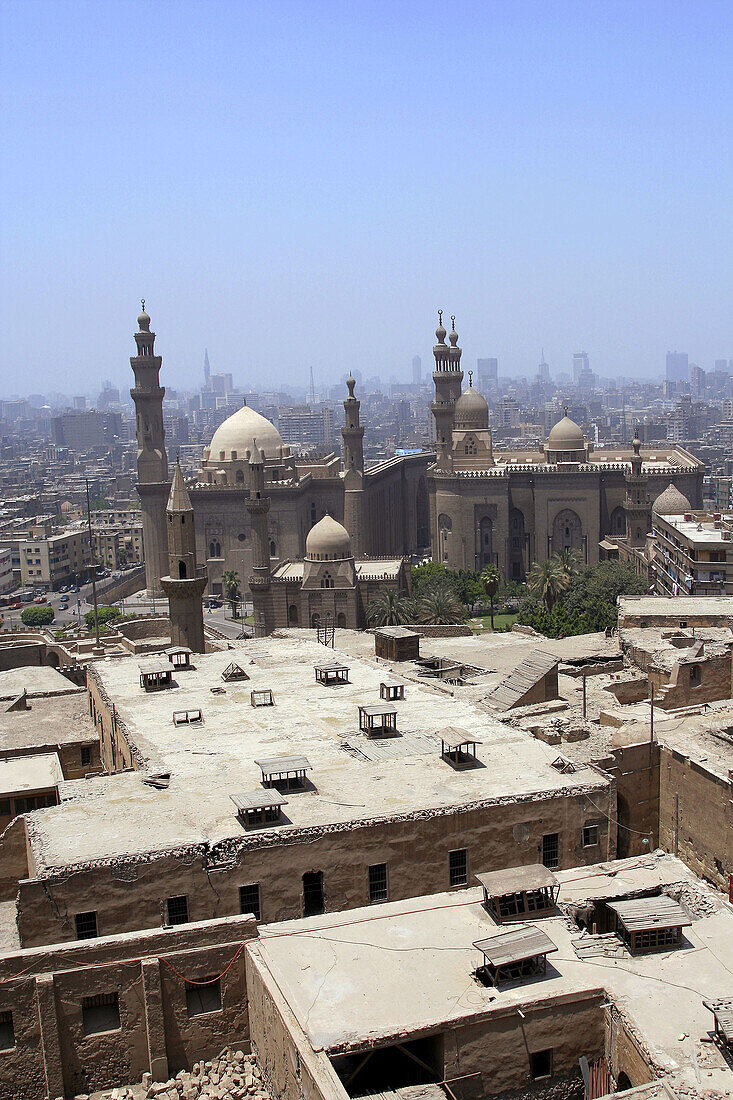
[20,774]
[353,778]
[682,606]
[58,720]
[702,530]
[36,680]
[398,968]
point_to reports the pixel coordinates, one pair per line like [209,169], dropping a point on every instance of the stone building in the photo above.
[511,508]
[185,582]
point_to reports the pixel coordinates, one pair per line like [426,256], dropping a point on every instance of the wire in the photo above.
[626,828]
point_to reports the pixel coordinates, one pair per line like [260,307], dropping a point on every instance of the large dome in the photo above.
[237,434]
[472,410]
[671,502]
[566,436]
[328,540]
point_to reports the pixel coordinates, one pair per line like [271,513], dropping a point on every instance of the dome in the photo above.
[566,436]
[671,502]
[327,540]
[472,410]
[238,433]
[143,320]
[66,507]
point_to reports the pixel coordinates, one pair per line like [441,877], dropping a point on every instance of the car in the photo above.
[39,599]
[15,605]
[64,588]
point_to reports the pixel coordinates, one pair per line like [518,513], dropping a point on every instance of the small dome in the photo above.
[671,502]
[472,410]
[66,507]
[238,433]
[440,333]
[566,436]
[328,540]
[143,320]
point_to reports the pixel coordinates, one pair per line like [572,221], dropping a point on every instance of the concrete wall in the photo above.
[52,1056]
[636,771]
[129,895]
[625,1051]
[119,588]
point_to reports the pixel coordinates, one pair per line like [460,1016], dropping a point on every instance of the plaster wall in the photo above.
[696,816]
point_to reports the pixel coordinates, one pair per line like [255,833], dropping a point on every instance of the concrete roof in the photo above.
[396,968]
[682,606]
[120,815]
[36,680]
[54,721]
[19,774]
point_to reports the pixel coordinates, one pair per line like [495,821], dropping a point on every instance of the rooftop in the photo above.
[352,779]
[36,680]
[48,721]
[29,773]
[403,967]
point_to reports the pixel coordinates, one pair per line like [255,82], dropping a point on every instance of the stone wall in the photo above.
[636,771]
[696,816]
[119,588]
[693,681]
[149,972]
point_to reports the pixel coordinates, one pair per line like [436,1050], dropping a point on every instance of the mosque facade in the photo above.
[467,504]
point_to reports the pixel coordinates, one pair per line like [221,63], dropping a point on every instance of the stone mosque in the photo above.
[316,539]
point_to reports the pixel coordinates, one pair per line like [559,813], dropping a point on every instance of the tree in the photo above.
[548,580]
[570,562]
[426,573]
[105,615]
[491,579]
[37,616]
[230,584]
[469,588]
[439,604]
[390,608]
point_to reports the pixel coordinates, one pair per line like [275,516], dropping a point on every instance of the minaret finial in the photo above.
[565,409]
[453,321]
[440,316]
[142,303]
[470,379]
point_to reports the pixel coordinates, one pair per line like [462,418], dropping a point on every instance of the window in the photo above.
[4,807]
[695,675]
[249,899]
[312,893]
[86,925]
[378,882]
[201,999]
[551,850]
[326,581]
[100,1013]
[7,1033]
[540,1064]
[177,909]
[86,755]
[590,835]
[458,867]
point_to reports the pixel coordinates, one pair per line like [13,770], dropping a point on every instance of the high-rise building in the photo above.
[487,373]
[543,369]
[678,366]
[207,367]
[697,380]
[416,370]
[580,365]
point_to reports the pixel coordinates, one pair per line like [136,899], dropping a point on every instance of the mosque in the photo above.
[304,534]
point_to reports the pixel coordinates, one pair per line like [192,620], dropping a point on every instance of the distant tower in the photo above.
[258,506]
[152,463]
[416,370]
[448,377]
[312,390]
[636,503]
[184,585]
[354,494]
[207,368]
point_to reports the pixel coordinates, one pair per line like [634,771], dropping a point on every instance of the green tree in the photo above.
[41,615]
[426,573]
[439,604]
[230,584]
[548,580]
[570,562]
[390,608]
[490,580]
[105,616]
[468,585]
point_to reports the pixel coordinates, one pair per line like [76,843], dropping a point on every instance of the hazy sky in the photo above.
[297,184]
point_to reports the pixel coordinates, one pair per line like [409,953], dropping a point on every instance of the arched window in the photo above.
[341,620]
[315,620]
[618,522]
[240,477]
[214,549]
[326,581]
[293,615]
[485,547]
[182,570]
[567,531]
[273,549]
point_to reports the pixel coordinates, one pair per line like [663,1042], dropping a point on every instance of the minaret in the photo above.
[152,463]
[448,377]
[636,503]
[258,506]
[354,494]
[184,584]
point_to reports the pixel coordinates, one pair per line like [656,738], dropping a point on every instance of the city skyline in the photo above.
[275,180]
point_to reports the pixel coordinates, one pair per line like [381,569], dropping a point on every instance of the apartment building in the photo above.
[692,554]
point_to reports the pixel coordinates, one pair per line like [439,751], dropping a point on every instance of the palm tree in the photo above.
[390,608]
[230,584]
[570,562]
[548,580]
[491,579]
[439,605]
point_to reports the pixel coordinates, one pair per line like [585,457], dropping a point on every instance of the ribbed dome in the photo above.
[238,433]
[671,502]
[472,410]
[566,436]
[327,540]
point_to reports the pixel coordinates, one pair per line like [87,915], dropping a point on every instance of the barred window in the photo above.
[458,867]
[378,882]
[249,899]
[177,909]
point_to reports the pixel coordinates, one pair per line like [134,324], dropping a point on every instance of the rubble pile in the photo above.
[233,1075]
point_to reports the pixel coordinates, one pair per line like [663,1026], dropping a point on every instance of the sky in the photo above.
[304,184]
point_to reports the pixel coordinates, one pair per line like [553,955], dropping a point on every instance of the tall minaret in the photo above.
[152,463]
[184,584]
[258,506]
[637,505]
[354,494]
[448,377]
